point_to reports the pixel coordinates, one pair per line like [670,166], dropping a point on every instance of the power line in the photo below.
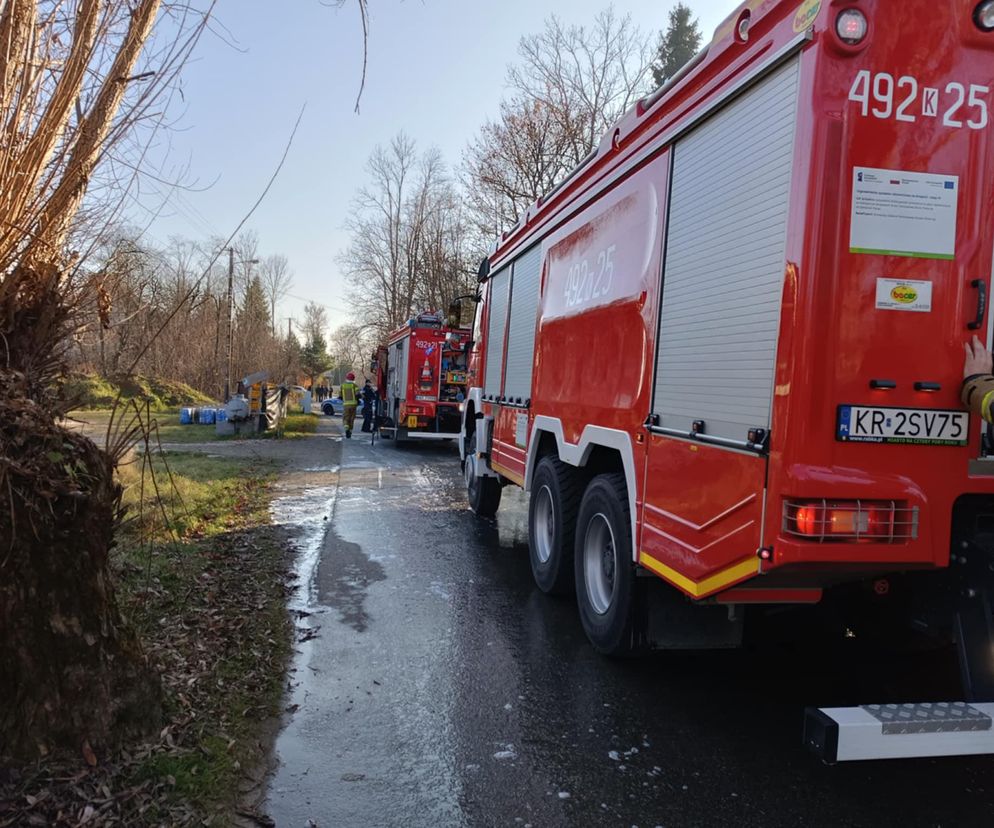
[322,304]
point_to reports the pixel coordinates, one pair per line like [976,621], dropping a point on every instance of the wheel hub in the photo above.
[607,562]
[600,564]
[470,473]
[545,524]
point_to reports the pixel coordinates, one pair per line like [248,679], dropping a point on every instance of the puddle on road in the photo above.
[343,576]
[303,508]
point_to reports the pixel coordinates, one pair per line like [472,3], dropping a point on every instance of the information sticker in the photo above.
[899,213]
[904,295]
[521,430]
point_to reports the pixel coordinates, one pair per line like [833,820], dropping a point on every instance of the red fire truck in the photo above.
[727,350]
[422,378]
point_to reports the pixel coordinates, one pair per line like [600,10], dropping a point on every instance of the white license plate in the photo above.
[925,426]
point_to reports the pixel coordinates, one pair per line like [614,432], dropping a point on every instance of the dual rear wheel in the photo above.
[580,540]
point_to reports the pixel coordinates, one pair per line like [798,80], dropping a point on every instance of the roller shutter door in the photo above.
[499,285]
[724,266]
[521,330]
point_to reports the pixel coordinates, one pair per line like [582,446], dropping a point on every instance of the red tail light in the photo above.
[855,521]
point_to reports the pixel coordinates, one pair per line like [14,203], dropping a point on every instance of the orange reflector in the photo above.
[809,520]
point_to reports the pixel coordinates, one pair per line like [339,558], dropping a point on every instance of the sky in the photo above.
[436,70]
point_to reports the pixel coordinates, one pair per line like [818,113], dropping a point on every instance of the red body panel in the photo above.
[705,511]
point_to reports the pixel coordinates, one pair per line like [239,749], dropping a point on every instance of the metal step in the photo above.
[899,731]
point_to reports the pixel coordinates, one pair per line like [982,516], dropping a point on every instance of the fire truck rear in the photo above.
[423,370]
[728,350]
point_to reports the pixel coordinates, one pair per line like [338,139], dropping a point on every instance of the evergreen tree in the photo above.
[254,340]
[253,315]
[677,45]
[314,357]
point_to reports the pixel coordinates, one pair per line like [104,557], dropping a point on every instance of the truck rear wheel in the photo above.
[552,508]
[606,588]
[483,492]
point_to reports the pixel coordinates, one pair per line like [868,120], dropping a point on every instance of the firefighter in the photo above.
[978,382]
[368,399]
[350,398]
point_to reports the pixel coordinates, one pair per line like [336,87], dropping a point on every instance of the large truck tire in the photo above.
[483,492]
[607,590]
[552,508]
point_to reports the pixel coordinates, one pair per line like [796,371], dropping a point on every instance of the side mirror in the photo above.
[455,313]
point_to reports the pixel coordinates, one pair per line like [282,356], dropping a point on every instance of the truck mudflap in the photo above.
[899,731]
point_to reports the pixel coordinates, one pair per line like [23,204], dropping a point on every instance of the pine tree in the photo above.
[254,340]
[677,45]
[254,312]
[314,357]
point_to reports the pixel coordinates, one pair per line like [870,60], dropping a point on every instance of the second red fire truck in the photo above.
[422,376]
[727,351]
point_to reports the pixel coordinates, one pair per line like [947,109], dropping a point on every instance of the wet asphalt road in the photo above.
[441,688]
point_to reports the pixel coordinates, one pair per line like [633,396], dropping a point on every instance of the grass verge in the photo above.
[294,425]
[168,428]
[98,391]
[204,579]
[219,576]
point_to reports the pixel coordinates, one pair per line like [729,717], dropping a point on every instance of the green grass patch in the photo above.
[169,430]
[196,776]
[206,590]
[188,495]
[94,391]
[294,425]
[167,427]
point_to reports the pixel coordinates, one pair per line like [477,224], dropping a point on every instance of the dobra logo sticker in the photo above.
[905,294]
[806,14]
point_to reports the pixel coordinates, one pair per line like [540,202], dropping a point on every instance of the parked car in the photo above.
[334,407]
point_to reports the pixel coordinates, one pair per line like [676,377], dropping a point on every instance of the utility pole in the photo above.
[231,316]
[231,281]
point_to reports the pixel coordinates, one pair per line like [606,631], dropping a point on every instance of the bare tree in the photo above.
[513,161]
[315,323]
[587,76]
[351,348]
[277,279]
[569,86]
[407,234]
[246,259]
[378,259]
[75,81]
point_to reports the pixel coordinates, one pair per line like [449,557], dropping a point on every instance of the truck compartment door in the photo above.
[716,352]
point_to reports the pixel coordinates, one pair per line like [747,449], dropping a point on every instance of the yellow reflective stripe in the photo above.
[698,589]
[514,477]
[985,406]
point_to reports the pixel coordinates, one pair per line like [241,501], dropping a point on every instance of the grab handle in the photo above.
[981,287]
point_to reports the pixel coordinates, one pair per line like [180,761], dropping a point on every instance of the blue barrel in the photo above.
[222,415]
[207,416]
[186,416]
